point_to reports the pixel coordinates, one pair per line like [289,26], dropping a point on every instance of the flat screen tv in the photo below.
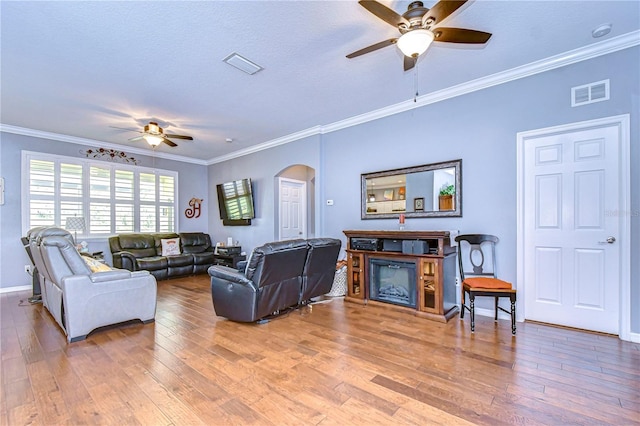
[235,200]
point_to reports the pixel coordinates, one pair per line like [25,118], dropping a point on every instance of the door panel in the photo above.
[548,201]
[589,273]
[549,275]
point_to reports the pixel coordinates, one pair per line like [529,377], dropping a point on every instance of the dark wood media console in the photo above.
[426,255]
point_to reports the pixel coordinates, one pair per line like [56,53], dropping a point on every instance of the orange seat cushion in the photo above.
[484,282]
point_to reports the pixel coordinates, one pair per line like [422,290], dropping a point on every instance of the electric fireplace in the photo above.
[392,281]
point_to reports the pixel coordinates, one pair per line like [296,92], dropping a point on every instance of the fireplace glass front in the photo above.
[393,281]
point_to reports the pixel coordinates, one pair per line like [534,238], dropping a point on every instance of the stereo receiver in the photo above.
[371,244]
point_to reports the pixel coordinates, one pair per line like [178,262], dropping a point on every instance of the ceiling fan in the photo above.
[155,135]
[419,27]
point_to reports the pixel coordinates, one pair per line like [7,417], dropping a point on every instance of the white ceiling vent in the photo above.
[242,63]
[590,93]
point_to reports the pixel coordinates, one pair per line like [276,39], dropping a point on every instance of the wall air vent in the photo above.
[590,93]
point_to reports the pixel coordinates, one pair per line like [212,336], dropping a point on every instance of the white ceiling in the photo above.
[76,68]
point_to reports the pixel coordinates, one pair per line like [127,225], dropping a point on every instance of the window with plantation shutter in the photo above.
[113,198]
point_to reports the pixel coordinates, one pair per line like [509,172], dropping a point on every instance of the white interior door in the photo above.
[293,209]
[572,228]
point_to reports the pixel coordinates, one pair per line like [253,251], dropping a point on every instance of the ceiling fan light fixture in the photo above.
[153,140]
[414,43]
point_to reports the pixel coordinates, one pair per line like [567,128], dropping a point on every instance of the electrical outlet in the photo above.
[27,269]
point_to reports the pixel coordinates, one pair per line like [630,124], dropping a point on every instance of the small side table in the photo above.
[229,260]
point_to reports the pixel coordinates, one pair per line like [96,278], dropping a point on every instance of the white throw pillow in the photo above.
[170,246]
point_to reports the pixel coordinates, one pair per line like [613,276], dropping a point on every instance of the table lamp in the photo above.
[75,223]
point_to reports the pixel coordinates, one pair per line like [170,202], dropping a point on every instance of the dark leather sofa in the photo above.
[140,251]
[278,276]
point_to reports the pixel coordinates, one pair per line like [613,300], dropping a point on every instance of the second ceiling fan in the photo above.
[155,135]
[419,27]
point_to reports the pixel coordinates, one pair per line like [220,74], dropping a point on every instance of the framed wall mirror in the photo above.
[430,190]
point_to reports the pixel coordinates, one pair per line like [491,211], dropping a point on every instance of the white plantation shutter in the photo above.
[166,191]
[70,191]
[124,214]
[113,198]
[42,191]
[99,219]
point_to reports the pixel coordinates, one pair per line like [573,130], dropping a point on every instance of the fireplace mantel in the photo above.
[430,251]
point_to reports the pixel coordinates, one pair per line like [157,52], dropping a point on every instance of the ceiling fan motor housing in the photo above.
[414,14]
[153,128]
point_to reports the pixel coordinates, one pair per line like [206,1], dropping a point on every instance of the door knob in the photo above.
[609,240]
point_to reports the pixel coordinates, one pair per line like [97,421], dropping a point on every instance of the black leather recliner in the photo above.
[320,267]
[278,275]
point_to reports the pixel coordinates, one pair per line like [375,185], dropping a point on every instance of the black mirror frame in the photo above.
[457,212]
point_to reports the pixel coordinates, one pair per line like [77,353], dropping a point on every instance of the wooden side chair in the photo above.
[479,277]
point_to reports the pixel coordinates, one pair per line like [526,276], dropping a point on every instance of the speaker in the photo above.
[415,247]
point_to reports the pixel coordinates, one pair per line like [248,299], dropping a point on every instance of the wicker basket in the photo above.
[339,287]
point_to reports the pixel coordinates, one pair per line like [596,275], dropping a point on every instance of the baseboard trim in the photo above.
[14,289]
[634,337]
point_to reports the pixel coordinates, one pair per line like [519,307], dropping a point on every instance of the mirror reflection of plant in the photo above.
[447,189]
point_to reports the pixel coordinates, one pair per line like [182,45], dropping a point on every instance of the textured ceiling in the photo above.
[76,68]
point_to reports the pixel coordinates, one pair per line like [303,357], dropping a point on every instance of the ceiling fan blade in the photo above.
[137,138]
[123,128]
[373,47]
[168,142]
[460,35]
[409,62]
[441,10]
[383,12]
[188,138]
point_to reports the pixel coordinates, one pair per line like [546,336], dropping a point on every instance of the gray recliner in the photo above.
[81,300]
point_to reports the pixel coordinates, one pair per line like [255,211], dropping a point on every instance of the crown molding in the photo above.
[591,51]
[312,131]
[7,128]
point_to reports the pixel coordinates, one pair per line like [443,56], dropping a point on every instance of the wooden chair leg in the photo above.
[496,309]
[513,315]
[463,305]
[472,301]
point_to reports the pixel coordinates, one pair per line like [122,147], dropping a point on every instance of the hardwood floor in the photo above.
[330,363]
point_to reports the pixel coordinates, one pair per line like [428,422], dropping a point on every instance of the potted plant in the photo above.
[445,199]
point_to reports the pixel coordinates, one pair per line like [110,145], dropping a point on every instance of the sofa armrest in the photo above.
[241,266]
[224,273]
[234,296]
[125,260]
[115,274]
[89,305]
